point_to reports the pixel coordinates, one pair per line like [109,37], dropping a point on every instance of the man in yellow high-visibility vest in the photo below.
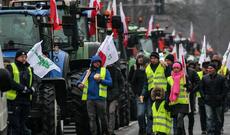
[19,97]
[95,94]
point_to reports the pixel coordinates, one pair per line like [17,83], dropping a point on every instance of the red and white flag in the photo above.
[125,28]
[114,13]
[54,15]
[192,34]
[92,14]
[107,51]
[114,7]
[150,27]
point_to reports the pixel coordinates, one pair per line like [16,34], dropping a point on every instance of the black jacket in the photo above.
[213,89]
[193,86]
[24,80]
[118,83]
[137,79]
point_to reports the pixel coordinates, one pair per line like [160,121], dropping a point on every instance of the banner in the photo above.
[41,64]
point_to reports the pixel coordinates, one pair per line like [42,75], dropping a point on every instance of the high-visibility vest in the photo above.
[200,74]
[162,122]
[102,88]
[157,78]
[183,95]
[223,71]
[12,94]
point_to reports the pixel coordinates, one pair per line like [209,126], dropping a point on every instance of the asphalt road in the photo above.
[132,129]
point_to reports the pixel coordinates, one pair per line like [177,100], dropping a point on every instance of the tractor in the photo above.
[56,104]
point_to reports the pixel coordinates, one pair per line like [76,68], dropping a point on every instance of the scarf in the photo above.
[175,89]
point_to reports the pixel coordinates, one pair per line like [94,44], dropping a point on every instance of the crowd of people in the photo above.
[165,92]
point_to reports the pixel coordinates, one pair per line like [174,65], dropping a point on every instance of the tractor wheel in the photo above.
[49,109]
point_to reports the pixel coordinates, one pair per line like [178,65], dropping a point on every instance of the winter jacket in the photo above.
[213,89]
[93,86]
[137,78]
[24,81]
[194,80]
[115,90]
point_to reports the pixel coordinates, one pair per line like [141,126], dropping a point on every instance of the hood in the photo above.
[95,58]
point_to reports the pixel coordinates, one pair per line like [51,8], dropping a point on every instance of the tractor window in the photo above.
[59,35]
[82,28]
[146,45]
[19,30]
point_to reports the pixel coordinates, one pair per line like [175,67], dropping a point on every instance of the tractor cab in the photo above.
[21,29]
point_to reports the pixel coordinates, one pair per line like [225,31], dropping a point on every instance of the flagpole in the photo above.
[52,42]
[96,28]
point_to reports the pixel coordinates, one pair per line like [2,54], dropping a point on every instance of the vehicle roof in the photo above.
[26,12]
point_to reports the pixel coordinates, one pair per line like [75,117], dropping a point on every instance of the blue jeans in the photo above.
[141,113]
[213,119]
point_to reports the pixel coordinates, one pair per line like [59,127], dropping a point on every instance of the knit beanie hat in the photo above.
[20,53]
[170,57]
[213,65]
[155,54]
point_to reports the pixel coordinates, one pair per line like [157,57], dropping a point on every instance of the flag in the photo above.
[182,57]
[228,62]
[54,15]
[209,47]
[41,64]
[125,28]
[107,51]
[173,33]
[113,13]
[203,52]
[226,54]
[192,35]
[109,6]
[150,27]
[174,53]
[114,7]
[1,59]
[92,14]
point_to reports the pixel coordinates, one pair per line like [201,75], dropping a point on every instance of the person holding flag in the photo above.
[94,83]
[19,97]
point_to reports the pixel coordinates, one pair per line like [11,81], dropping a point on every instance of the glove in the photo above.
[28,90]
